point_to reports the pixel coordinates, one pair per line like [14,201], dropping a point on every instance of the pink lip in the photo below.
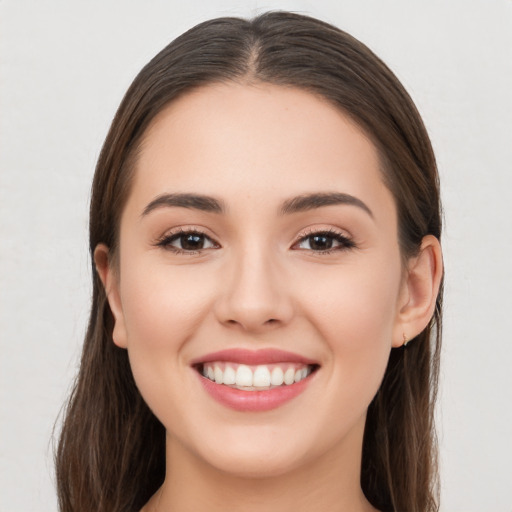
[253,357]
[254,401]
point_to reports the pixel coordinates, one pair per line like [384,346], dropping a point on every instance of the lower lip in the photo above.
[254,401]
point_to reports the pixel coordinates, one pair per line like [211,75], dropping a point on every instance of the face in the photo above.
[258,246]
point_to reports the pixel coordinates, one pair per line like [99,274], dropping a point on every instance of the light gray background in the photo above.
[64,67]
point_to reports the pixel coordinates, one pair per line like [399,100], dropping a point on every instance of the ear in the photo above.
[110,280]
[419,291]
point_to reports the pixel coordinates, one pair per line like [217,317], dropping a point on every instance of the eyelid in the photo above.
[339,235]
[174,233]
[344,239]
[314,230]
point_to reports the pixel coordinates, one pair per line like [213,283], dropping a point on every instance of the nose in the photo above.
[254,295]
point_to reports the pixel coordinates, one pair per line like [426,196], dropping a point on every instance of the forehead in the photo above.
[239,141]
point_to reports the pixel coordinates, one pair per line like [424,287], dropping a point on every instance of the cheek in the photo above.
[355,315]
[162,308]
[357,304]
[162,305]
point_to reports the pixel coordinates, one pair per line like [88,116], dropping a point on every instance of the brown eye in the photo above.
[325,241]
[187,242]
[320,242]
[192,242]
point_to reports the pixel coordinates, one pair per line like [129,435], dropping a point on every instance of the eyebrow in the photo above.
[297,204]
[317,200]
[193,201]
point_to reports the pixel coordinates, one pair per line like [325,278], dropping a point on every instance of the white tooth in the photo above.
[261,377]
[210,373]
[298,375]
[229,375]
[277,377]
[243,376]
[289,376]
[205,371]
[218,374]
[304,373]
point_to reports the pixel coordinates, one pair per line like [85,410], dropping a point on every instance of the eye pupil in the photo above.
[320,242]
[192,242]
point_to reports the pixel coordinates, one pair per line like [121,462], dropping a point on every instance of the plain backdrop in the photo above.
[64,66]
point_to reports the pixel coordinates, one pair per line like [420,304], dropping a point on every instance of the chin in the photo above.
[254,464]
[244,451]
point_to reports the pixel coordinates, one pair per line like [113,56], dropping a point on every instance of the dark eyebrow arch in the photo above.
[317,200]
[193,201]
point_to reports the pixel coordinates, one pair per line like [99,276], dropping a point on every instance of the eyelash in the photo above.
[166,240]
[345,243]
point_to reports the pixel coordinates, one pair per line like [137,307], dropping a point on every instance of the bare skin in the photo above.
[325,282]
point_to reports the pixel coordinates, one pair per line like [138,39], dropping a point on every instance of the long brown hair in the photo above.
[111,452]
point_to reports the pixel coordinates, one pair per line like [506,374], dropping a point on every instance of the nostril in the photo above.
[270,321]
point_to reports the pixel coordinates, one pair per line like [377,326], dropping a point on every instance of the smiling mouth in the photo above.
[255,377]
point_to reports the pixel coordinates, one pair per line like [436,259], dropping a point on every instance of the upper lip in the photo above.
[253,357]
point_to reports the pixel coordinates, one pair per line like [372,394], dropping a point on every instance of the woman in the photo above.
[265,327]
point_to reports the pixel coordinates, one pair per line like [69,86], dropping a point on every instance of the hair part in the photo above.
[111,453]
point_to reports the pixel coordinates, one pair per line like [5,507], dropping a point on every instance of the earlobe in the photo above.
[110,282]
[420,290]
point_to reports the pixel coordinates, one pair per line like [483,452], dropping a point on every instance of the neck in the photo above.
[329,484]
